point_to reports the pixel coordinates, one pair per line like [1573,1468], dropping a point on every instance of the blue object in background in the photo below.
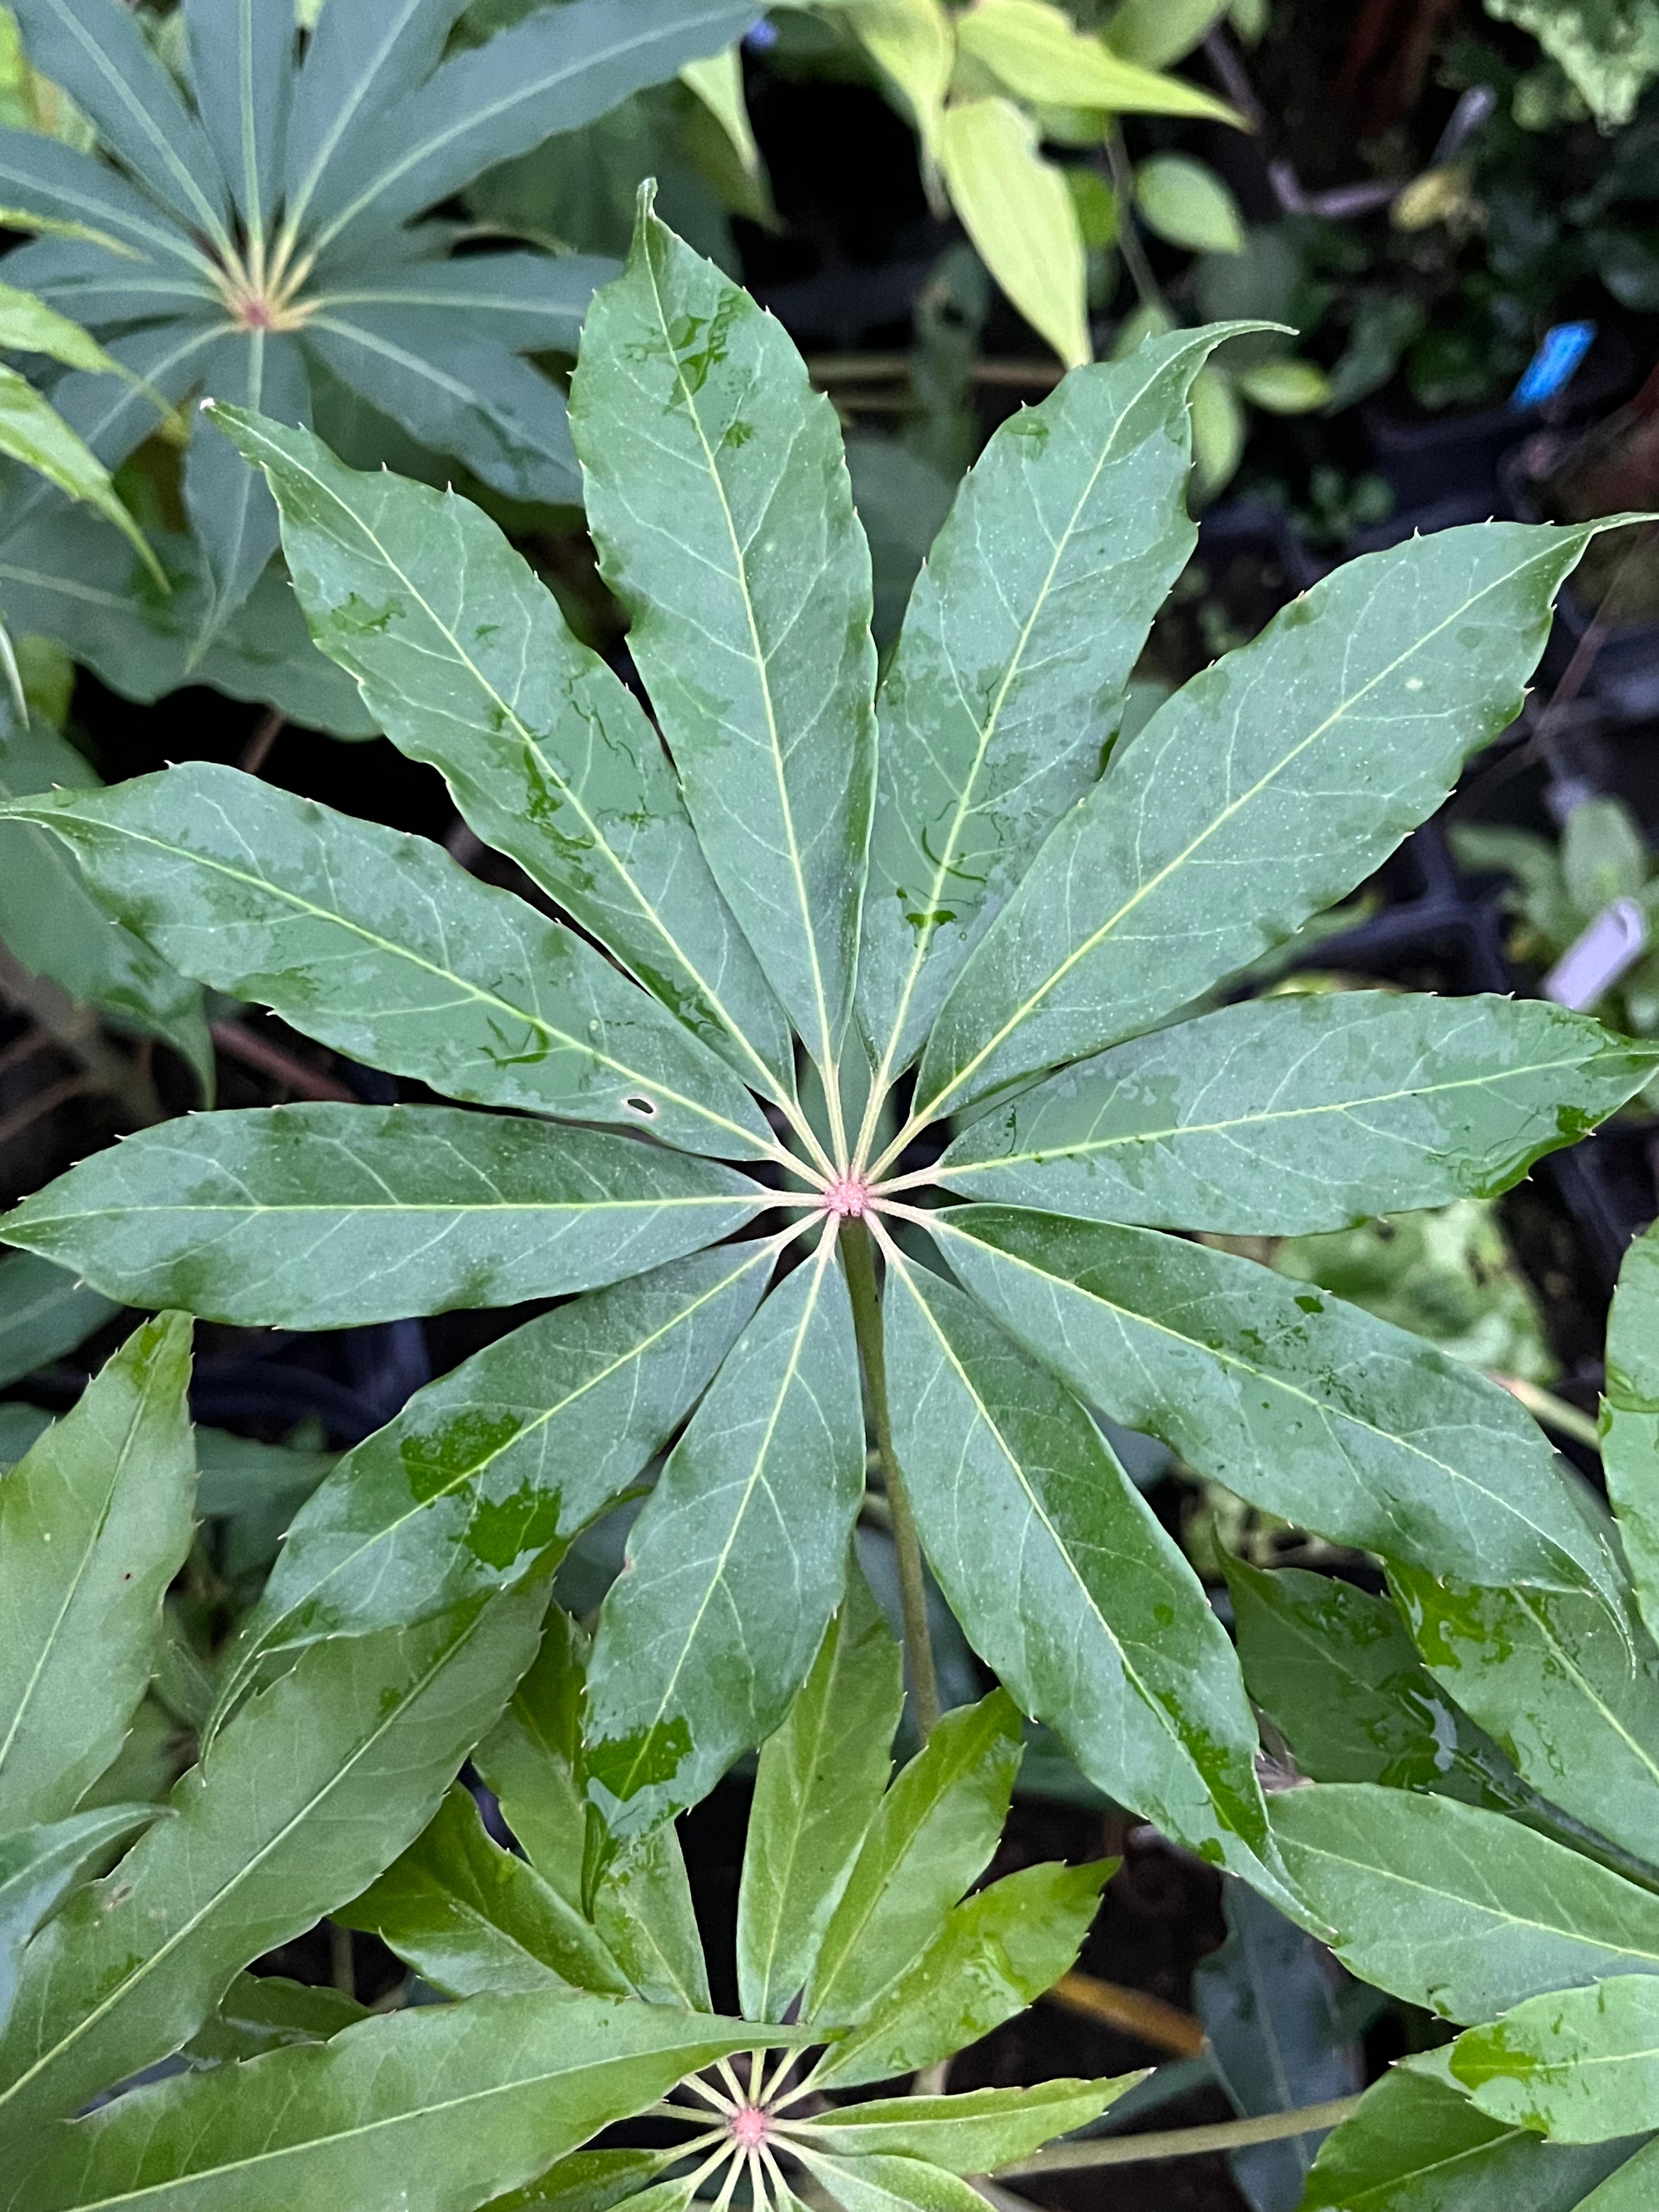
[760,37]
[1555,365]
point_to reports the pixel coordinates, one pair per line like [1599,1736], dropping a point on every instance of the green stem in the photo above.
[1127,240]
[1186,2142]
[1554,1413]
[860,1270]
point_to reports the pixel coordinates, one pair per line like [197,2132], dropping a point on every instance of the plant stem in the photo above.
[859,1266]
[1554,1413]
[1127,240]
[1186,2142]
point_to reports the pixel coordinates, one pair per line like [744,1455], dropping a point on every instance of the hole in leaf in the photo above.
[637,1105]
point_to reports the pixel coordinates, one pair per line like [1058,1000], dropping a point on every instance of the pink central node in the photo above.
[749,2126]
[848,1196]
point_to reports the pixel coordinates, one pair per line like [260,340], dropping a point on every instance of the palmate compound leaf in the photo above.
[323,1216]
[1284,1116]
[466,662]
[95,1520]
[380,944]
[735,1563]
[440,2106]
[1308,1407]
[821,1778]
[511,1453]
[1268,786]
[718,499]
[1415,2145]
[1009,676]
[1459,1910]
[1065,1582]
[314,1787]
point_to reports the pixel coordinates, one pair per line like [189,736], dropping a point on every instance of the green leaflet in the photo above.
[1305,1406]
[241,66]
[38,1863]
[1008,680]
[1629,2188]
[267,2012]
[719,499]
[44,1313]
[1335,1671]
[53,925]
[1577,2065]
[320,1217]
[820,1782]
[640,1903]
[1263,790]
[1630,1419]
[516,1450]
[1283,1116]
[95,1520]
[1453,1908]
[470,1919]
[1571,1699]
[454,2102]
[379,945]
[1415,2145]
[884,2184]
[100,57]
[973,2133]
[312,1788]
[735,1564]
[996,1953]
[589,2181]
[933,1835]
[486,103]
[466,661]
[1064,1581]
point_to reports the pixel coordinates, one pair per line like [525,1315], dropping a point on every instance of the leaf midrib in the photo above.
[480,1466]
[945,865]
[937,1104]
[533,743]
[359,2131]
[1491,1078]
[1264,1375]
[763,1451]
[1153,1704]
[826,1053]
[478,118]
[583,1047]
[135,1420]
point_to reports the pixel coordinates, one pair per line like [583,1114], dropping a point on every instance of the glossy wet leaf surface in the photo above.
[1065,1582]
[1306,1406]
[1279,1116]
[325,1216]
[1267,788]
[736,1562]
[379,945]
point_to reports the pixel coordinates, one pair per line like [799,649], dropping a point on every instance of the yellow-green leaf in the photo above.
[1017,210]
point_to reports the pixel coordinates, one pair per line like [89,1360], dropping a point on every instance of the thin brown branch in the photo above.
[266,731]
[241,1044]
[1165,2027]
[43,1103]
[74,1028]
